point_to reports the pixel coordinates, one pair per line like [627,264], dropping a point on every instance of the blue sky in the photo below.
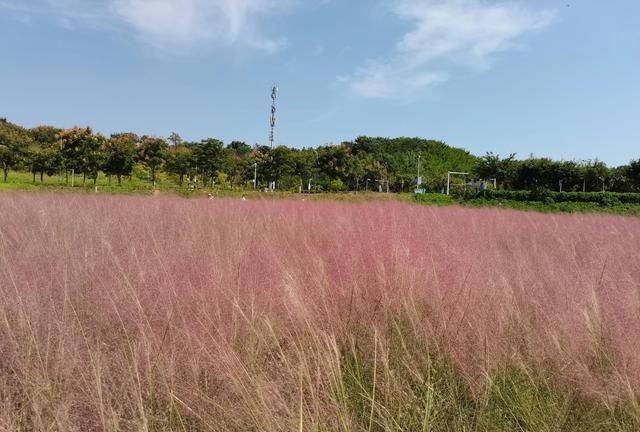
[549,78]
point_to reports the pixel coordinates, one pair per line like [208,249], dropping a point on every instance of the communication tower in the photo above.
[274,108]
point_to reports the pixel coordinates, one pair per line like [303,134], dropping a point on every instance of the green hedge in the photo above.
[548,197]
[433,198]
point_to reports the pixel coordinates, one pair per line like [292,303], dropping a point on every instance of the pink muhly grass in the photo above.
[120,311]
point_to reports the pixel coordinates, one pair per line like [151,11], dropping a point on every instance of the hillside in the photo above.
[400,156]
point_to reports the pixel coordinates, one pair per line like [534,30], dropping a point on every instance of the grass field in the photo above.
[21,181]
[134,313]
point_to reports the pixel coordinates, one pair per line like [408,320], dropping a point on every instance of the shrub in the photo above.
[602,198]
[336,185]
[433,198]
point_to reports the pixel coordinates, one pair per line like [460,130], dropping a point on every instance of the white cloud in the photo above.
[378,80]
[444,33]
[172,26]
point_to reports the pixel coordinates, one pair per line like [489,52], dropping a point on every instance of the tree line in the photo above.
[366,163]
[540,174]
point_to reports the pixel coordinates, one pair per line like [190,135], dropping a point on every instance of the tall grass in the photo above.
[166,314]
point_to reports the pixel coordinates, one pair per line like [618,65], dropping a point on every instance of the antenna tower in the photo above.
[274,100]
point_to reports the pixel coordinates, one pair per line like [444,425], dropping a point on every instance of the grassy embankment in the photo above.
[546,202]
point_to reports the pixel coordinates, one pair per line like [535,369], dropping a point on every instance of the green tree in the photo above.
[491,166]
[633,174]
[45,158]
[95,156]
[45,135]
[208,155]
[336,185]
[153,153]
[180,161]
[71,148]
[535,174]
[82,151]
[120,158]
[175,140]
[356,171]
[14,142]
[305,167]
[396,160]
[240,148]
[237,163]
[569,173]
[334,163]
[283,168]
[620,180]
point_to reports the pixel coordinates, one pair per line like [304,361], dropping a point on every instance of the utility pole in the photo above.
[255,176]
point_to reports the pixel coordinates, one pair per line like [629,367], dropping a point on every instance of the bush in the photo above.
[140,172]
[605,199]
[433,198]
[336,185]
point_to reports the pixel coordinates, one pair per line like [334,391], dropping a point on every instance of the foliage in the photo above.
[208,156]
[46,159]
[175,139]
[336,185]
[44,155]
[372,163]
[547,201]
[180,161]
[153,152]
[14,141]
[432,198]
[604,199]
[537,174]
[396,160]
[491,166]
[82,151]
[632,172]
[121,152]
[45,135]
